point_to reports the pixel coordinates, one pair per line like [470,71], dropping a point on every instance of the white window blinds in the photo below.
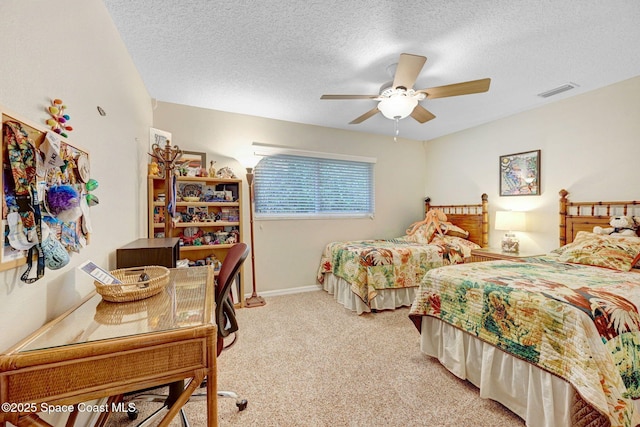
[291,186]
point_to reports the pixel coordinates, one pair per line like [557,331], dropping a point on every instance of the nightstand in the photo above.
[492,254]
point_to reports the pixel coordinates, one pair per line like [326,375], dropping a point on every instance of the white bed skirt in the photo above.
[536,396]
[388,299]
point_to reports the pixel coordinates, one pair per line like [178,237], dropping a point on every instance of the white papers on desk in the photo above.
[99,274]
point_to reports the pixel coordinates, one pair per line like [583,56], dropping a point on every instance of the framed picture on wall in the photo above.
[520,174]
[157,136]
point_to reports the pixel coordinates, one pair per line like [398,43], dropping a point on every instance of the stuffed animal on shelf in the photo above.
[225,172]
[620,225]
[154,169]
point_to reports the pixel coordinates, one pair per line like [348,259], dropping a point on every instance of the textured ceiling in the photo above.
[276,58]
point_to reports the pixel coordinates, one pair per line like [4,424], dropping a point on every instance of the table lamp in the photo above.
[510,221]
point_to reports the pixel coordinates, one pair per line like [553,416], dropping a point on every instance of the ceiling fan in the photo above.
[398,99]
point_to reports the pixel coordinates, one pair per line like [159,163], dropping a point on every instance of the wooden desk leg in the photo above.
[73,416]
[212,380]
[104,416]
[32,420]
[183,399]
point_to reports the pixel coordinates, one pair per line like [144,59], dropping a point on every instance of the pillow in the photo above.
[582,235]
[453,230]
[614,252]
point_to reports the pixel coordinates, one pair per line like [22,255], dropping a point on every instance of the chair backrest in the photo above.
[225,313]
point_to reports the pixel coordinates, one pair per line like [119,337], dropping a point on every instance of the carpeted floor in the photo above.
[304,360]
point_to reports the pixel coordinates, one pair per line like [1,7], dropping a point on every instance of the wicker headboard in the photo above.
[583,216]
[473,218]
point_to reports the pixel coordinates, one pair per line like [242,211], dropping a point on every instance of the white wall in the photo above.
[288,252]
[70,49]
[590,144]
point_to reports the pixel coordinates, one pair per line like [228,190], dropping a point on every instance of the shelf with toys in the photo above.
[207,220]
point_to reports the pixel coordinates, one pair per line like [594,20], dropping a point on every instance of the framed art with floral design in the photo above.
[520,174]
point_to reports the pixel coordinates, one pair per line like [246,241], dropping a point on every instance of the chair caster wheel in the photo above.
[242,404]
[133,414]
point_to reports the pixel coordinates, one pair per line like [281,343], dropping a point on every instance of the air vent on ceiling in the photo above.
[558,90]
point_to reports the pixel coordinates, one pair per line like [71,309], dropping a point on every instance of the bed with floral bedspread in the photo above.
[371,266]
[578,322]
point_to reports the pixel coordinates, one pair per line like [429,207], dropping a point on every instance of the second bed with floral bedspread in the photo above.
[578,322]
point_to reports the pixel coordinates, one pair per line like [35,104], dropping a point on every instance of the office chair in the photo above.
[227,325]
[225,311]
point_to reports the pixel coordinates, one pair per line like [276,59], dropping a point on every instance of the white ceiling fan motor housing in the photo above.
[398,103]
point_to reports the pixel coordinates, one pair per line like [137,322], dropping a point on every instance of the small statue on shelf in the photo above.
[154,169]
[234,233]
[212,170]
[225,172]
[208,195]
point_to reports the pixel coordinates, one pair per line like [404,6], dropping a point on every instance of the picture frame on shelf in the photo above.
[520,174]
[193,162]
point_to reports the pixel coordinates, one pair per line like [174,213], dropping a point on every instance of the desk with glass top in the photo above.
[99,349]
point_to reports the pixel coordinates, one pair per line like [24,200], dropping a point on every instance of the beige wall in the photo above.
[590,144]
[587,142]
[288,252]
[70,49]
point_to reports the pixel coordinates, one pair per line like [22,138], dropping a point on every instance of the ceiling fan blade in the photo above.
[407,70]
[349,96]
[465,88]
[421,114]
[365,116]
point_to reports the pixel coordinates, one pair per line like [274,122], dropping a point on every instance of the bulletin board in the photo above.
[75,172]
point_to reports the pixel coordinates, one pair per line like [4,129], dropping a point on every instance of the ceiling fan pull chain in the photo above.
[397,129]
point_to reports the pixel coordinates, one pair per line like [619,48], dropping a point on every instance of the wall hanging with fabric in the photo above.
[46,186]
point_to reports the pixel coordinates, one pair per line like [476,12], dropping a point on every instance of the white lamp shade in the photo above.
[511,221]
[249,160]
[397,105]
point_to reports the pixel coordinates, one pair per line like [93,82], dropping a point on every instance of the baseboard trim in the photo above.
[288,291]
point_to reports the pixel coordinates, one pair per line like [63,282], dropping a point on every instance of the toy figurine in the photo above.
[154,169]
[225,172]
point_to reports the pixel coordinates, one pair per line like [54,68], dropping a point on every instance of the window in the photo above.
[300,186]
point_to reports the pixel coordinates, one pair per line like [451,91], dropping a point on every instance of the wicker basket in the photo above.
[131,288]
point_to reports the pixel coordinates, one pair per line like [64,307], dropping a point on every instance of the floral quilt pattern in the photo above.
[372,265]
[578,322]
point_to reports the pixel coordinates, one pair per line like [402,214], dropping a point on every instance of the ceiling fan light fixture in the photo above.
[397,106]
